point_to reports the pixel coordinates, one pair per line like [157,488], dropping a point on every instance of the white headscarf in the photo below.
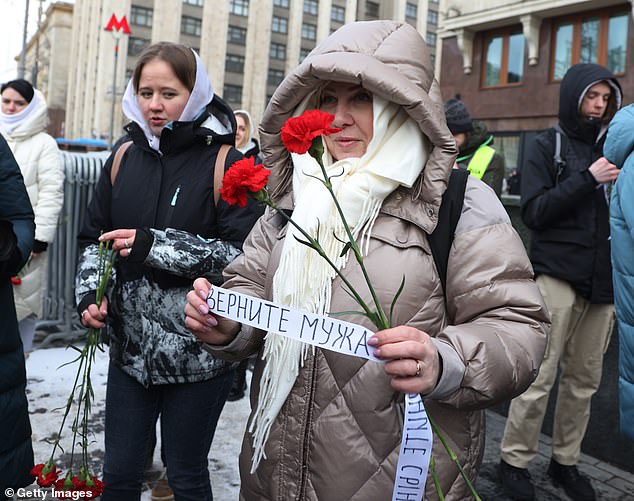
[200,97]
[248,142]
[8,123]
[395,156]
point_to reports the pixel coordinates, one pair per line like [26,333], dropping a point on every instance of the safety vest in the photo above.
[480,161]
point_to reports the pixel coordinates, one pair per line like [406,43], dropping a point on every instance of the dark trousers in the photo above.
[189,414]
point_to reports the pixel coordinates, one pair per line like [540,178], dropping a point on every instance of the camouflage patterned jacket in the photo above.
[181,235]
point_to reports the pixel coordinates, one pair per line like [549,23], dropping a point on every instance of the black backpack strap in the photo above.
[448,215]
[560,145]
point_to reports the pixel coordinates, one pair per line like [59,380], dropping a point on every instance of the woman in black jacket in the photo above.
[17,229]
[159,212]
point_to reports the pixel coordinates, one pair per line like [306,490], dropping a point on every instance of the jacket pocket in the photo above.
[400,234]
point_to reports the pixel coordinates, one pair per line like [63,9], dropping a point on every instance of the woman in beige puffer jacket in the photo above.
[23,121]
[338,432]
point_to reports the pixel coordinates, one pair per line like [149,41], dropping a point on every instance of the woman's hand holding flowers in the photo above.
[412,360]
[95,315]
[122,240]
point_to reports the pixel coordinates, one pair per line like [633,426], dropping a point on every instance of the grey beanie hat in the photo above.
[458,119]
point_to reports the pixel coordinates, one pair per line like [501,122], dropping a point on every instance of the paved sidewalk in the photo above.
[610,483]
[48,387]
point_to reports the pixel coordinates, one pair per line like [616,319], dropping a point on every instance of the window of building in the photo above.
[191,26]
[277,51]
[136,45]
[372,10]
[237,35]
[432,17]
[303,52]
[508,145]
[275,77]
[198,3]
[338,14]
[503,59]
[232,93]
[239,7]
[279,25]
[431,39]
[141,16]
[411,10]
[433,1]
[591,38]
[309,31]
[311,7]
[281,3]
[234,63]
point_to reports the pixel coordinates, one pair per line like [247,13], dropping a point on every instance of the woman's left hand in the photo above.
[412,360]
[122,241]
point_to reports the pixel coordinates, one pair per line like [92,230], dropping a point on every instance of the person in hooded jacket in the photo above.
[327,425]
[17,230]
[475,145]
[245,142]
[161,218]
[619,149]
[565,205]
[23,120]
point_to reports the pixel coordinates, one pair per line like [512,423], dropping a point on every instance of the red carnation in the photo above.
[16,280]
[96,489]
[46,474]
[242,178]
[298,132]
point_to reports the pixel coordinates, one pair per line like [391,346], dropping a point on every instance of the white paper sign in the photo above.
[317,330]
[347,338]
[415,453]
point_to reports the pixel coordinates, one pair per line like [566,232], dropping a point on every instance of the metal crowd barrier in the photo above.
[59,317]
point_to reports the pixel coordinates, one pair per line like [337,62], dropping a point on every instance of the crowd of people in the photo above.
[490,327]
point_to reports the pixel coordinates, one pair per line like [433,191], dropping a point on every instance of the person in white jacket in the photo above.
[23,121]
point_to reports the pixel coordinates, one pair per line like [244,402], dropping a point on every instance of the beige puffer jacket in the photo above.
[42,167]
[337,436]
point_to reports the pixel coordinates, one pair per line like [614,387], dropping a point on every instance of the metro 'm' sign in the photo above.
[118,25]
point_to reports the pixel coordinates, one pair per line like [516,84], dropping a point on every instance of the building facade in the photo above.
[247,46]
[505,58]
[47,62]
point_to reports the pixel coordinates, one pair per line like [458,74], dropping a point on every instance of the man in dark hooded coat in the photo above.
[564,202]
[17,230]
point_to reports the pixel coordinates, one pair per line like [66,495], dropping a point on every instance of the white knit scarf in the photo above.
[395,156]
[8,123]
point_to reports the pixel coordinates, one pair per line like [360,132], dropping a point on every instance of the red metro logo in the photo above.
[118,25]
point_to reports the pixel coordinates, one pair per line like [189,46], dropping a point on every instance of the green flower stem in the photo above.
[316,246]
[82,382]
[380,318]
[69,404]
[434,476]
[454,458]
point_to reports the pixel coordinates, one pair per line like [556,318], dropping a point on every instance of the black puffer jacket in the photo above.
[17,229]
[568,212]
[181,235]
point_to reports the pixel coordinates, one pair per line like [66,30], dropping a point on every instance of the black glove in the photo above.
[39,246]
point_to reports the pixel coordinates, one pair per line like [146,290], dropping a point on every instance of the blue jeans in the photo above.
[189,414]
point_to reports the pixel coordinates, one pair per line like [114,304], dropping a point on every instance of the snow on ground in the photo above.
[48,388]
